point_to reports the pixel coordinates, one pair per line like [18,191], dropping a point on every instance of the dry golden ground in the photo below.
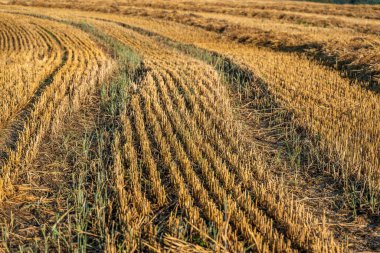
[189,139]
[347,42]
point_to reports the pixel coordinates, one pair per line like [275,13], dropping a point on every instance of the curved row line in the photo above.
[83,65]
[322,101]
[209,178]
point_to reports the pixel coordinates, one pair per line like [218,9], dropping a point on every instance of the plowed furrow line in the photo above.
[2,39]
[7,35]
[133,172]
[209,120]
[28,79]
[227,180]
[178,191]
[220,118]
[201,195]
[54,98]
[24,37]
[185,200]
[205,122]
[8,41]
[292,223]
[133,209]
[209,86]
[230,182]
[268,71]
[177,126]
[245,200]
[157,189]
[218,192]
[194,110]
[301,240]
[12,39]
[284,244]
[17,124]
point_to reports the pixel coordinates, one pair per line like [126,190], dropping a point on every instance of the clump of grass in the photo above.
[91,219]
[113,97]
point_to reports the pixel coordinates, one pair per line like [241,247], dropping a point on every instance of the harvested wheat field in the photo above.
[180,126]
